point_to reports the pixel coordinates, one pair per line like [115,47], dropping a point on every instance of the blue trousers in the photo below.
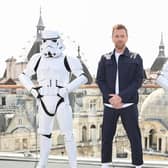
[129,118]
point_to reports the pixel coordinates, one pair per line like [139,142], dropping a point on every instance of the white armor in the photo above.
[53,76]
[162,79]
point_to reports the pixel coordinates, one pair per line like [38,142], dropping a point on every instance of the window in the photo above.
[160,144]
[100,132]
[93,105]
[93,133]
[25,143]
[146,143]
[60,140]
[152,139]
[3,101]
[84,134]
[17,144]
[20,122]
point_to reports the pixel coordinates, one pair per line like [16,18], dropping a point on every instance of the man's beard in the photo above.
[120,46]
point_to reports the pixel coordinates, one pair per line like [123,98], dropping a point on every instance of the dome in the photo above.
[155,107]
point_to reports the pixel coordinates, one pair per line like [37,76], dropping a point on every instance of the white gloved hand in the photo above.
[35,93]
[63,92]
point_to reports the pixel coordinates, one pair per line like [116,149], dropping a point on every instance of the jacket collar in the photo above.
[125,53]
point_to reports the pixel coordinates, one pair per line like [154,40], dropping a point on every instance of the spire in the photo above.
[161,42]
[161,58]
[79,55]
[161,47]
[40,26]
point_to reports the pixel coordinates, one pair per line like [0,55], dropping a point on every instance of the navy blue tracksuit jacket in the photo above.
[130,70]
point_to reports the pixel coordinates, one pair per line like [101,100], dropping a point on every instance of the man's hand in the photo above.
[115,101]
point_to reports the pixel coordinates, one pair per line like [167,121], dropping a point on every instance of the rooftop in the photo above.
[19,161]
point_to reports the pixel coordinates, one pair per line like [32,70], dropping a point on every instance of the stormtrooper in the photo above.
[162,79]
[53,71]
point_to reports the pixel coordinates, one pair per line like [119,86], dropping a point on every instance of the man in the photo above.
[119,75]
[162,79]
[53,70]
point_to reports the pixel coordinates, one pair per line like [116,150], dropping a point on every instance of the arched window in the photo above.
[160,144]
[84,134]
[93,133]
[146,143]
[93,126]
[152,139]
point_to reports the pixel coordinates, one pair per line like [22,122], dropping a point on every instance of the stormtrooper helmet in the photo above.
[52,44]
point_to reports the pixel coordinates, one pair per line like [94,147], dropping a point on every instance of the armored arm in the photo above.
[25,77]
[76,69]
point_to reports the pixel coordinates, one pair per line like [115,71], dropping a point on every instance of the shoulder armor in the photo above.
[33,63]
[35,60]
[73,63]
[35,57]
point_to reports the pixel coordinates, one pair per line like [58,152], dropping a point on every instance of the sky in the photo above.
[87,23]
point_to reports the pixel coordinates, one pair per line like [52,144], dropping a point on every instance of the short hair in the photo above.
[118,27]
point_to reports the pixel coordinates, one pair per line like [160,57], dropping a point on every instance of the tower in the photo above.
[37,43]
[161,58]
[161,47]
[40,27]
